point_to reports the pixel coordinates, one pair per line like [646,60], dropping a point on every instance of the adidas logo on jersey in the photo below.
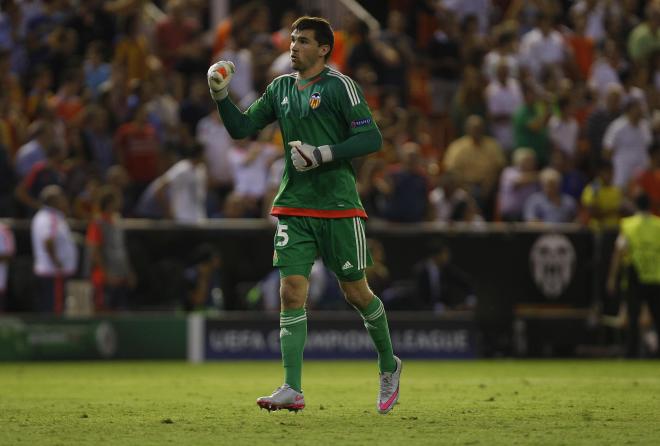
[284,332]
[346,266]
[285,101]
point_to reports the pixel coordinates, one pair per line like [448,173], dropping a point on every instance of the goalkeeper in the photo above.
[325,122]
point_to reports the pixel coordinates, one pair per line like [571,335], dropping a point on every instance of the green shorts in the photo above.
[340,242]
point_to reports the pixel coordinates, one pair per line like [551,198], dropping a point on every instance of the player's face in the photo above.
[305,51]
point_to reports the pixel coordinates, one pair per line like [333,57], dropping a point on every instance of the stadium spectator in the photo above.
[96,139]
[469,99]
[573,180]
[581,43]
[250,161]
[594,13]
[138,149]
[162,110]
[41,136]
[530,125]
[606,111]
[95,67]
[237,50]
[181,191]
[107,253]
[406,200]
[478,160]
[549,205]
[563,128]
[626,143]
[132,52]
[603,202]
[42,174]
[444,65]
[504,97]
[175,35]
[543,47]
[636,257]
[451,203]
[517,183]
[648,182]
[194,107]
[7,251]
[503,52]
[401,55]
[645,38]
[213,135]
[93,21]
[605,69]
[440,285]
[54,250]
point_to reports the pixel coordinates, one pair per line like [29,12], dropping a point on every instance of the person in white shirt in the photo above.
[605,69]
[627,141]
[505,52]
[563,128]
[504,96]
[213,135]
[182,189]
[250,162]
[54,250]
[7,251]
[543,46]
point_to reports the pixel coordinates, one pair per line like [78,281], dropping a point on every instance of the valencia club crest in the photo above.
[315,100]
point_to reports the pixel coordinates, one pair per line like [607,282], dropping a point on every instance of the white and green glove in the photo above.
[219,76]
[306,156]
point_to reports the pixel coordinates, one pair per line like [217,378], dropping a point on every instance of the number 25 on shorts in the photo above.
[282,235]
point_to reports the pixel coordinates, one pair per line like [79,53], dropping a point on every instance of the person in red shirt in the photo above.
[109,265]
[138,149]
[649,180]
[176,36]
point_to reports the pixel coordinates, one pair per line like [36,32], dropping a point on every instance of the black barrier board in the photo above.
[341,338]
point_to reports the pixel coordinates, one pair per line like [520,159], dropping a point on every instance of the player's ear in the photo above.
[325,49]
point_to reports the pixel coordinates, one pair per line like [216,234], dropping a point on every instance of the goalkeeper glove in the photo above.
[219,76]
[306,156]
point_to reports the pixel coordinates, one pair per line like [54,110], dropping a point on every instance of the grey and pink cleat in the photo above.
[389,388]
[283,397]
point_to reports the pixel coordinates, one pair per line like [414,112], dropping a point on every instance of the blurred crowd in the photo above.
[490,110]
[540,110]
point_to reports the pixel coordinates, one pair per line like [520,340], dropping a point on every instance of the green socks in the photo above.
[376,323]
[293,334]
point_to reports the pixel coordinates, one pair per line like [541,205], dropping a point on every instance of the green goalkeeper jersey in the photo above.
[324,110]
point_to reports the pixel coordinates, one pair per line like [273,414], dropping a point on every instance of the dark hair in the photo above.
[642,202]
[323,32]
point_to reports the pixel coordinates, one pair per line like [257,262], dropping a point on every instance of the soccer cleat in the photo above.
[389,388]
[283,397]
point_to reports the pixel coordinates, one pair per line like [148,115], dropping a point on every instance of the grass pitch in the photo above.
[452,403]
